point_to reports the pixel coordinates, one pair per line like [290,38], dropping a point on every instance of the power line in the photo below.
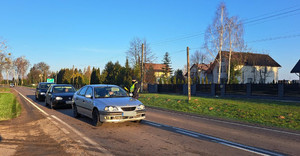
[275,38]
[252,20]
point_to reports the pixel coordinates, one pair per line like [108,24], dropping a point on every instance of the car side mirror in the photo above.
[88,96]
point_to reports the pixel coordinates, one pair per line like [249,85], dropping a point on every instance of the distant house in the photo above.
[254,68]
[158,70]
[200,71]
[296,69]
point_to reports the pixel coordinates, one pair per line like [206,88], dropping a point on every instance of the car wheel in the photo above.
[51,105]
[75,111]
[96,118]
[137,121]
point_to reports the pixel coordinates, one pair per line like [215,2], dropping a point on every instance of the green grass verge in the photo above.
[264,112]
[3,89]
[9,106]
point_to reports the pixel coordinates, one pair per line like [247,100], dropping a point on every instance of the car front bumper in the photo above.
[122,116]
[41,96]
[61,103]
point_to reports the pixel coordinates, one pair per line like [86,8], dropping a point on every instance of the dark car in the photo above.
[41,90]
[59,95]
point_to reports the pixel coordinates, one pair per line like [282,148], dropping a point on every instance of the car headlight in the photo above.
[58,98]
[110,108]
[141,107]
[42,93]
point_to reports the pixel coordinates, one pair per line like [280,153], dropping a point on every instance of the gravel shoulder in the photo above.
[33,134]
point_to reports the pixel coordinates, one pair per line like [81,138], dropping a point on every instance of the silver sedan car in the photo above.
[107,103]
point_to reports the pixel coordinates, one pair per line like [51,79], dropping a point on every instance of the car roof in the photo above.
[102,85]
[62,85]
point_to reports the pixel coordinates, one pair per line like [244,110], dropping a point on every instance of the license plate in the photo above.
[129,114]
[69,102]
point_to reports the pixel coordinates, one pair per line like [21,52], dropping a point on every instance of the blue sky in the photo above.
[82,33]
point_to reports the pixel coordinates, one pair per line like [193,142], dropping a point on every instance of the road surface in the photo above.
[167,133]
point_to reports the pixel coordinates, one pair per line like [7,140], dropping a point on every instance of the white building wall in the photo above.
[251,74]
[258,74]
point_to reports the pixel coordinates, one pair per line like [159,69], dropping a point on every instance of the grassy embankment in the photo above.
[9,106]
[264,112]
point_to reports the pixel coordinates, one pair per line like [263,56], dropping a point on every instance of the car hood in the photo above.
[63,94]
[121,101]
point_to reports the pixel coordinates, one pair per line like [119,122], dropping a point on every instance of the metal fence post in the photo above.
[280,90]
[213,89]
[249,92]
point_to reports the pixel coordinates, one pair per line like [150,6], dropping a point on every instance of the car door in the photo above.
[88,102]
[79,100]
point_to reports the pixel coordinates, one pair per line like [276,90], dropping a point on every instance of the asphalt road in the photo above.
[169,133]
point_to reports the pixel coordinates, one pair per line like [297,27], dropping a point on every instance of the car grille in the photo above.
[128,108]
[67,98]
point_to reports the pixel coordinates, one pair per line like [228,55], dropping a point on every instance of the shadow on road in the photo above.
[64,110]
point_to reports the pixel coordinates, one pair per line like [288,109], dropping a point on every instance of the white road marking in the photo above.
[83,136]
[215,139]
[243,149]
[65,131]
[70,127]
[237,124]
[32,103]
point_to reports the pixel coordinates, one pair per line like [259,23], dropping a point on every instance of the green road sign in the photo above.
[50,80]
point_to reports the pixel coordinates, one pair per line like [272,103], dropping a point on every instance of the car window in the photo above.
[89,91]
[109,92]
[63,89]
[45,85]
[82,91]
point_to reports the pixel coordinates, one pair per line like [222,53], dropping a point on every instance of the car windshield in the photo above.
[109,92]
[45,85]
[63,89]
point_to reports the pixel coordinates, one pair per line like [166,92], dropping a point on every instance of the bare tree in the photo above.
[198,57]
[22,65]
[215,36]
[7,67]
[134,53]
[3,55]
[44,68]
[235,31]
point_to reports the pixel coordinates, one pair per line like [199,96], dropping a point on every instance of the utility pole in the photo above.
[189,74]
[142,72]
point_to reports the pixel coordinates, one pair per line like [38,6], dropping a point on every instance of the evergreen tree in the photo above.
[167,65]
[95,76]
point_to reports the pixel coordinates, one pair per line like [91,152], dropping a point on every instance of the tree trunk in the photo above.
[220,49]
[229,59]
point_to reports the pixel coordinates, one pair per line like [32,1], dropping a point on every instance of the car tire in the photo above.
[137,121]
[96,118]
[75,111]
